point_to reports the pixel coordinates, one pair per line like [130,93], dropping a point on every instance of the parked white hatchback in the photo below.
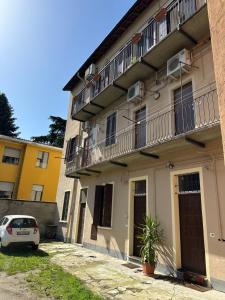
[19,229]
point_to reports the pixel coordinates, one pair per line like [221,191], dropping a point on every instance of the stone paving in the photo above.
[107,276]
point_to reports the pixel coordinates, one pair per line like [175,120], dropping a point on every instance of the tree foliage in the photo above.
[55,137]
[7,120]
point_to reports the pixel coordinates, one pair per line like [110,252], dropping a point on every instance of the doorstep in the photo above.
[134,259]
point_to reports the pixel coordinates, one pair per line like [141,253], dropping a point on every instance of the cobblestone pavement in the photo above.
[109,277]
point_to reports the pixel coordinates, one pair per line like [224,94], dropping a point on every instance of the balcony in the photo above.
[180,25]
[196,122]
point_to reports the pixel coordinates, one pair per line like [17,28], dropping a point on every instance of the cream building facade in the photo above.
[143,137]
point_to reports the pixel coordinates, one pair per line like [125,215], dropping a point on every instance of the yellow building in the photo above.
[28,171]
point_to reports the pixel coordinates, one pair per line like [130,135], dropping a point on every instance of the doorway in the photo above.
[184,109]
[191,224]
[140,128]
[139,214]
[83,200]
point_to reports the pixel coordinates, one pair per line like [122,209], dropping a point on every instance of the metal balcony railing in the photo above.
[175,14]
[187,116]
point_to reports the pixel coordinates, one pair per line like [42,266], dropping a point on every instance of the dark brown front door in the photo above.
[81,223]
[191,233]
[139,214]
[184,109]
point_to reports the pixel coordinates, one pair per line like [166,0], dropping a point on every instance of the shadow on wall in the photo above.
[65,230]
[166,260]
[44,212]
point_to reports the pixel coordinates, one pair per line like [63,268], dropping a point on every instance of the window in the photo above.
[140,128]
[71,148]
[4,221]
[23,223]
[37,191]
[102,208]
[11,156]
[111,129]
[6,190]
[189,183]
[184,109]
[65,206]
[42,159]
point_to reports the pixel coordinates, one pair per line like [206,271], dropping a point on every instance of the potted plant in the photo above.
[150,238]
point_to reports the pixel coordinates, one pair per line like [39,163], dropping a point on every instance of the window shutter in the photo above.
[113,135]
[12,152]
[107,212]
[67,151]
[99,192]
[6,186]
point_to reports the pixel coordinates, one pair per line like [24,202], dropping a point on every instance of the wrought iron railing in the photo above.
[175,14]
[187,115]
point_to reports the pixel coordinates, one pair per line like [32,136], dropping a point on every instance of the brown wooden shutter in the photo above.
[107,210]
[99,193]
[68,145]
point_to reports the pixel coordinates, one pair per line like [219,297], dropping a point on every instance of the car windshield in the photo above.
[23,223]
[1,221]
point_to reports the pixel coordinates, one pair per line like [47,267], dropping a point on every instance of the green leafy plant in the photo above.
[150,238]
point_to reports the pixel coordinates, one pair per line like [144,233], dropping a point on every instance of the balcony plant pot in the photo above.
[150,239]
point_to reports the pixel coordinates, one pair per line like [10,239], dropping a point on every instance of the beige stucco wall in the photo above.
[160,193]
[216,12]
[67,184]
[203,80]
[159,203]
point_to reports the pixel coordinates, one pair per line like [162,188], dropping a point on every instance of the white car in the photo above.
[19,229]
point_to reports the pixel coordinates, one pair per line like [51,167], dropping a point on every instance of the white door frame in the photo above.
[131,211]
[176,218]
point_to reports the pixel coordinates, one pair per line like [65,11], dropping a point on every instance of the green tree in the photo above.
[7,120]
[55,137]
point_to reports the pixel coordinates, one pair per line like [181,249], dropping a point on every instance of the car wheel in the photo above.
[35,247]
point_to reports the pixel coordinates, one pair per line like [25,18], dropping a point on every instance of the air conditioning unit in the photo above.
[86,126]
[180,60]
[136,92]
[90,72]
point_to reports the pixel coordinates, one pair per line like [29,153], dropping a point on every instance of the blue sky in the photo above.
[42,44]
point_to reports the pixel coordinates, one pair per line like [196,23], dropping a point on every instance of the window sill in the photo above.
[64,222]
[102,227]
[10,163]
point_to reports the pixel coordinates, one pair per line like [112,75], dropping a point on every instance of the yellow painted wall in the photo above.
[10,172]
[48,177]
[26,173]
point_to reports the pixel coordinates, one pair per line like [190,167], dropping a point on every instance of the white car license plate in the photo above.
[23,232]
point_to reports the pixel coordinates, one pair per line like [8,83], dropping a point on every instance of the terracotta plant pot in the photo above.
[148,269]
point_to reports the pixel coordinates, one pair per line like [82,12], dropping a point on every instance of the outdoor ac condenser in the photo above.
[136,92]
[179,61]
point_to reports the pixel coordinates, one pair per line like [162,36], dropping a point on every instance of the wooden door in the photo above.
[184,109]
[81,223]
[191,233]
[140,128]
[139,216]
